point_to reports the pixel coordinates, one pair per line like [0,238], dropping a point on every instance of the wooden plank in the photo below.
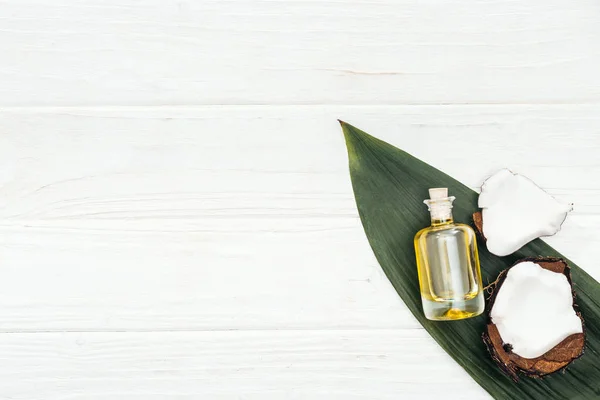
[242,217]
[298,52]
[379,364]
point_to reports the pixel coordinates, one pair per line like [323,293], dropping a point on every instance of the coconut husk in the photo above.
[478,222]
[553,360]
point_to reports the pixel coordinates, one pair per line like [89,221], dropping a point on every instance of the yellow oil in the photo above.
[449,272]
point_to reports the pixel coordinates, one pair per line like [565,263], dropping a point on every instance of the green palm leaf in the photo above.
[389,187]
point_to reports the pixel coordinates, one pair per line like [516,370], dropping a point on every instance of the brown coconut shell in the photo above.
[478,222]
[554,359]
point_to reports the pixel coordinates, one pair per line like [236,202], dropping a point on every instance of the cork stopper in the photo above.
[438,193]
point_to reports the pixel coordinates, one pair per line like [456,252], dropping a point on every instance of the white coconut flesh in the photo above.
[515,211]
[533,310]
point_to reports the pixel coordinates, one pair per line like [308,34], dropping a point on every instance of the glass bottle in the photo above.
[448,263]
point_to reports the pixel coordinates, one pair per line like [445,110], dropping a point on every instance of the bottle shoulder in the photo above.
[454,227]
[422,232]
[465,227]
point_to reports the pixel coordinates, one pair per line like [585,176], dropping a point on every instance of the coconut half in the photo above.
[534,326]
[515,211]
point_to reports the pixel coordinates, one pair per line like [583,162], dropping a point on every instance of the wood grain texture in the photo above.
[176,216]
[381,364]
[298,52]
[177,219]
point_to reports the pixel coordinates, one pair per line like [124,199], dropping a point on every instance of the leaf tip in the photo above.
[350,138]
[347,129]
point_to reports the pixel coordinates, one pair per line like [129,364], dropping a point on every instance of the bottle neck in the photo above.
[446,220]
[441,211]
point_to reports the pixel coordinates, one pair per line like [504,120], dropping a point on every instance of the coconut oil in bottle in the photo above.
[448,263]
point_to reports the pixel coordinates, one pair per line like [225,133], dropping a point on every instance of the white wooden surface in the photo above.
[176,216]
